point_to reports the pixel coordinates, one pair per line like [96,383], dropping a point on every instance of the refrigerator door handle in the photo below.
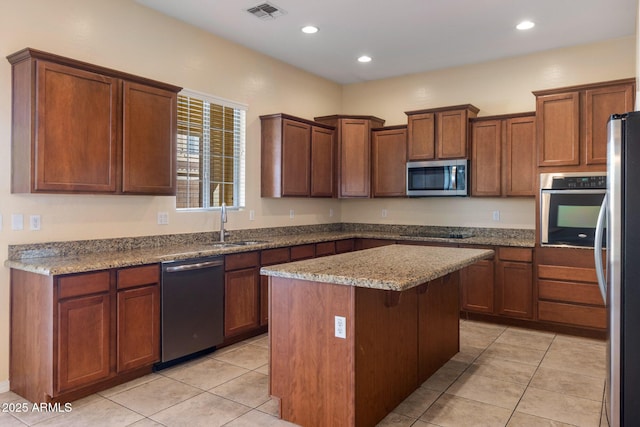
[597,253]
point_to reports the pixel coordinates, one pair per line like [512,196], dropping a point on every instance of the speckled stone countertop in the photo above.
[393,267]
[55,258]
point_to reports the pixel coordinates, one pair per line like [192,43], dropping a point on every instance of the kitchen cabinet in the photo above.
[361,244]
[325,248]
[80,128]
[300,252]
[241,293]
[72,335]
[353,153]
[269,257]
[477,287]
[503,155]
[571,122]
[296,157]
[568,291]
[514,282]
[389,161]
[439,133]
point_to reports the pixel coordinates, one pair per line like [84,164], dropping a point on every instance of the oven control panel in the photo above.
[579,182]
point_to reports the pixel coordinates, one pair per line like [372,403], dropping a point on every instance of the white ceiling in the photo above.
[404,36]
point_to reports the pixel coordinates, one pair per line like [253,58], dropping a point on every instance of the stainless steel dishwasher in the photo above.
[192,307]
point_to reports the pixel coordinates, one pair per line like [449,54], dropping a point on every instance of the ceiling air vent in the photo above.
[266,11]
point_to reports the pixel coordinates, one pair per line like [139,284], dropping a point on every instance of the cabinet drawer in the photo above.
[343,246]
[579,315]
[325,248]
[582,293]
[241,260]
[83,284]
[138,276]
[303,252]
[558,272]
[515,254]
[274,256]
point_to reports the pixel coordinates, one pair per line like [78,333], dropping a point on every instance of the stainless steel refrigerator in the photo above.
[620,281]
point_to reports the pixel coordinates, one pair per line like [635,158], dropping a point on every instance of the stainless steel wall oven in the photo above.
[569,207]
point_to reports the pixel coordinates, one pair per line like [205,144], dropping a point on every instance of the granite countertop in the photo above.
[394,267]
[63,258]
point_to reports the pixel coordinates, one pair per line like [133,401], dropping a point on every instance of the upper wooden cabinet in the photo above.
[572,121]
[297,157]
[353,153]
[503,155]
[439,133]
[80,128]
[389,159]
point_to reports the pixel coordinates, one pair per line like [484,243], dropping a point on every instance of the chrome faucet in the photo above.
[223,219]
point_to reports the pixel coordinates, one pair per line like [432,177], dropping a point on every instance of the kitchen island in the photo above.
[354,334]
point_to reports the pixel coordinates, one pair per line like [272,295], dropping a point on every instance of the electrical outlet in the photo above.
[384,213]
[163,218]
[17,222]
[496,215]
[291,213]
[34,222]
[330,212]
[340,327]
[252,215]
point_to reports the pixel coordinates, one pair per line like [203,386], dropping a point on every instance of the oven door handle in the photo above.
[597,253]
[586,191]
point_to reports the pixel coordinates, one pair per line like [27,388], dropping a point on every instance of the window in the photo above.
[210,152]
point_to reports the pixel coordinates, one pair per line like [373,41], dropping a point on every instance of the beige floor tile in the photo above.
[99,413]
[514,353]
[441,379]
[205,373]
[262,341]
[155,396]
[526,338]
[270,407]
[456,365]
[248,357]
[7,420]
[468,354]
[560,407]
[417,402]
[396,420]
[228,349]
[501,369]
[256,418]
[471,324]
[146,422]
[518,419]
[487,390]
[264,369]
[570,383]
[129,385]
[453,411]
[581,359]
[203,410]
[477,337]
[9,396]
[250,389]
[570,340]
[25,411]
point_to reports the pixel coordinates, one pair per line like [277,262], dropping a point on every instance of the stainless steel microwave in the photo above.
[569,207]
[437,178]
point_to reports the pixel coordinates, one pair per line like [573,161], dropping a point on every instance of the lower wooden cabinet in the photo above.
[241,293]
[72,335]
[477,284]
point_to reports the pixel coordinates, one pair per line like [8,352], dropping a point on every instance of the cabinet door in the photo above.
[76,131]
[389,160]
[514,288]
[138,330]
[558,129]
[355,158]
[83,341]
[486,158]
[476,284]
[421,142]
[599,105]
[451,134]
[322,170]
[264,300]
[241,301]
[149,140]
[520,154]
[296,158]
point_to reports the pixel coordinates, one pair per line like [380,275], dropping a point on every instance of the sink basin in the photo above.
[224,245]
[249,242]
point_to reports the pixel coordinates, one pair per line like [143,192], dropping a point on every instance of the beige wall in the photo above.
[122,35]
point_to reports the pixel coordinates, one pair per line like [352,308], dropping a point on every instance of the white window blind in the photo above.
[210,152]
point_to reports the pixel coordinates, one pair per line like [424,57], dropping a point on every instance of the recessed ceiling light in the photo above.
[309,29]
[364,58]
[525,25]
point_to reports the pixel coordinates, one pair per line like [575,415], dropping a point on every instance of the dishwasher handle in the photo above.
[196,266]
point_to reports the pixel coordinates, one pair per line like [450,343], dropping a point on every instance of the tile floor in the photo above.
[502,376]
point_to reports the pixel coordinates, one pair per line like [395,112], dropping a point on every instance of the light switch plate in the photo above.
[34,222]
[17,221]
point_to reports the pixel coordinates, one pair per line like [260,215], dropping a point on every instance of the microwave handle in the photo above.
[597,253]
[454,185]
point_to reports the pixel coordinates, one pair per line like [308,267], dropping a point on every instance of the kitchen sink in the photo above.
[239,243]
